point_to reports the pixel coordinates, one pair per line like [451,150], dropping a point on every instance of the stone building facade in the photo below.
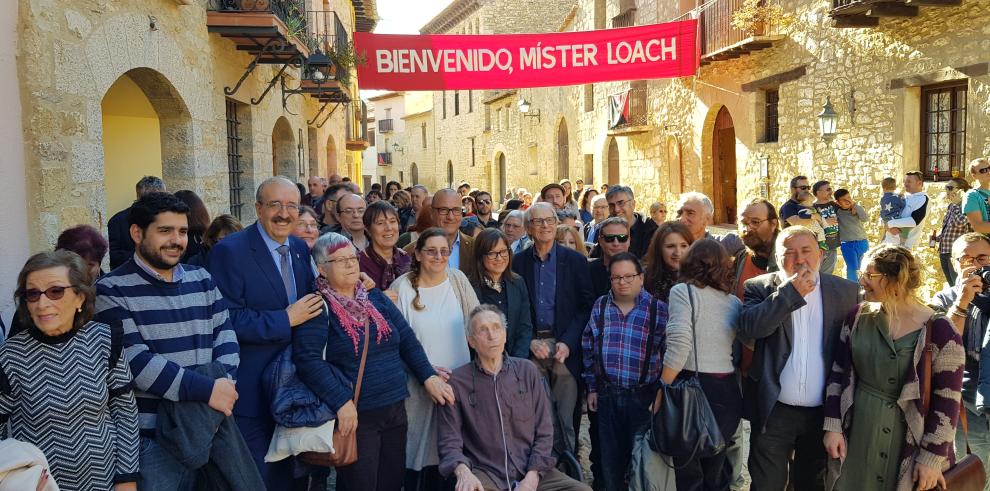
[748,121]
[73,57]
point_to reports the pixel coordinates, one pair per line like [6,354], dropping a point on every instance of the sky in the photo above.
[404,17]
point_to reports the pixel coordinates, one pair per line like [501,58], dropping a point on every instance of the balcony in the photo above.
[357,128]
[385,158]
[385,126]
[274,31]
[721,41]
[629,110]
[867,13]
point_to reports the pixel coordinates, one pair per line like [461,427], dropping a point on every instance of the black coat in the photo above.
[573,298]
[766,319]
[520,316]
[119,235]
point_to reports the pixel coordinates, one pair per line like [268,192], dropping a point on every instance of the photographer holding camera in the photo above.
[967,305]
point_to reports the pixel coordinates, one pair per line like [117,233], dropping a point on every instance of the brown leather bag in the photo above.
[345,447]
[968,473]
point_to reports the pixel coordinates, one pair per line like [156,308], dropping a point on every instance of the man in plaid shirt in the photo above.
[622,357]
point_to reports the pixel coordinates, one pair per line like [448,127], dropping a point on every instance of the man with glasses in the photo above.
[447,214]
[599,212]
[914,212]
[976,203]
[329,207]
[967,305]
[265,276]
[482,212]
[621,364]
[827,209]
[512,227]
[558,281]
[793,212]
[350,214]
[622,203]
[613,239]
[695,211]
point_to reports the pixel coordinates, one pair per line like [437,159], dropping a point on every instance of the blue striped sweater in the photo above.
[168,328]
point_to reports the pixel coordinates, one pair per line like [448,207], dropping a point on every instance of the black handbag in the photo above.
[683,425]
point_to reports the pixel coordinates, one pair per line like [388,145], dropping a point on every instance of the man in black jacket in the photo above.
[622,203]
[118,228]
[794,317]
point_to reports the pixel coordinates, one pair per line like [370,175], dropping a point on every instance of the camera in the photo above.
[984,274]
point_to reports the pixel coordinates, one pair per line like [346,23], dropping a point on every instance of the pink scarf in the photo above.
[354,313]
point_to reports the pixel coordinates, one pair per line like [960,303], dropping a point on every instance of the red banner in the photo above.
[508,61]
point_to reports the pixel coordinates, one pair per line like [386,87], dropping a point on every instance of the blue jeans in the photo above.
[852,254]
[160,471]
[622,414]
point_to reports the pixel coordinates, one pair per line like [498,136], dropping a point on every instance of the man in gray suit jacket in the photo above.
[794,316]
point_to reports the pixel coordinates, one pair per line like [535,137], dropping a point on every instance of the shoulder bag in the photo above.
[683,425]
[968,473]
[344,447]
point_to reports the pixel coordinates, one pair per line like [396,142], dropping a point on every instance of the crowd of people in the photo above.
[451,346]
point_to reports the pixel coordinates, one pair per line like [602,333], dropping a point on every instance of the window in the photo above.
[470,101]
[443,103]
[457,103]
[402,176]
[589,97]
[234,170]
[625,19]
[498,119]
[943,129]
[770,122]
[508,110]
[422,130]
[472,151]
[371,138]
[488,118]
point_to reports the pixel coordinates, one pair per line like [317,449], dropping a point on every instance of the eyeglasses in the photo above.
[444,212]
[352,211]
[542,222]
[752,222]
[493,255]
[983,170]
[950,188]
[343,261]
[803,188]
[624,279]
[308,226]
[435,253]
[871,276]
[615,237]
[277,205]
[53,293]
[619,204]
[982,259]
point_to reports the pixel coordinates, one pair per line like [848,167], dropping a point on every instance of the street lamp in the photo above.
[827,121]
[319,68]
[397,149]
[524,107]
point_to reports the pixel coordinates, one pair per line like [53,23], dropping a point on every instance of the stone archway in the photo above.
[146,130]
[612,162]
[283,149]
[563,152]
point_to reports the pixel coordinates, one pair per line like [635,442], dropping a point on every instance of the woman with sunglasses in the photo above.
[954,225]
[64,385]
[663,258]
[436,300]
[495,283]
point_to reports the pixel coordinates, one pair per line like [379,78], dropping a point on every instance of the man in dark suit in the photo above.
[794,316]
[560,285]
[266,278]
[447,214]
[119,229]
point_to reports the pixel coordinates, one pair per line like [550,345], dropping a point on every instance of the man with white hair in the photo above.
[794,317]
[482,449]
[512,227]
[695,211]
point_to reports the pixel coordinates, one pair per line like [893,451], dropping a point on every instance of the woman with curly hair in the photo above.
[701,328]
[663,258]
[875,422]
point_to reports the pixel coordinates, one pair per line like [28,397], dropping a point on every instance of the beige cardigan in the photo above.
[462,289]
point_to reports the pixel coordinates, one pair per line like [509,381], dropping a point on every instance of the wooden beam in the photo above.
[854,21]
[775,80]
[892,10]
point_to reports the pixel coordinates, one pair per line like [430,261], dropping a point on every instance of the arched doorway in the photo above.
[563,164]
[331,156]
[500,167]
[147,130]
[724,168]
[450,174]
[414,173]
[612,175]
[283,149]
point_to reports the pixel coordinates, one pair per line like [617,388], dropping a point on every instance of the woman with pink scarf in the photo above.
[379,416]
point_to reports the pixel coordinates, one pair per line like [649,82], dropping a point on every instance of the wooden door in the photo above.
[724,168]
[612,176]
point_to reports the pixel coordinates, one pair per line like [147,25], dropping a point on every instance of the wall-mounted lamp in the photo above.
[827,121]
[398,149]
[524,107]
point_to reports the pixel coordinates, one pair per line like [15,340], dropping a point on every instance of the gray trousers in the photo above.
[979,438]
[565,390]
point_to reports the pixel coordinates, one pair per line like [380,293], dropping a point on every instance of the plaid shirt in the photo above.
[623,343]
[954,225]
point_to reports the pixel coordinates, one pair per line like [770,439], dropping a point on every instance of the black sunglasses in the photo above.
[803,188]
[616,237]
[53,293]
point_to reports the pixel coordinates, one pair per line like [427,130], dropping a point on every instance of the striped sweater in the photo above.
[168,328]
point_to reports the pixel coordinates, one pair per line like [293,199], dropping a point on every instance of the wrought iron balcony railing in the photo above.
[384,125]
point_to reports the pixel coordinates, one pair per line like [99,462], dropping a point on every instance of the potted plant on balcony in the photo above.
[755,17]
[345,59]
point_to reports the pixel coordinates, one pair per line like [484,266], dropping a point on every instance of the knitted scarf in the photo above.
[354,313]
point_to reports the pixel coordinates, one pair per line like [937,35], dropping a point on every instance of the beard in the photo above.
[757,245]
[156,259]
